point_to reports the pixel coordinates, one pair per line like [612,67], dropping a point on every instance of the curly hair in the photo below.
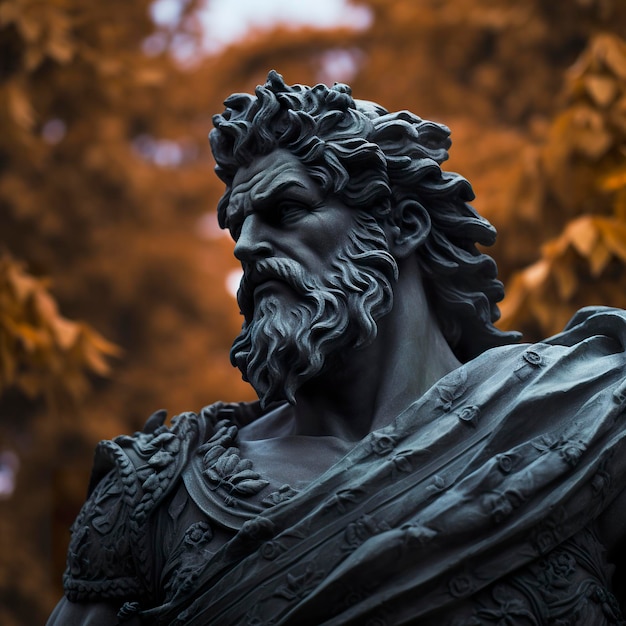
[385,163]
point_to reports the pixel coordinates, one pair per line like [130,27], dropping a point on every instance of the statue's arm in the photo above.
[100,574]
[106,562]
[68,613]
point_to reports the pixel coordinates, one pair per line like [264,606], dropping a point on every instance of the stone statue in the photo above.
[407,462]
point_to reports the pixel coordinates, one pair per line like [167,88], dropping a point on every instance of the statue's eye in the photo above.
[291,210]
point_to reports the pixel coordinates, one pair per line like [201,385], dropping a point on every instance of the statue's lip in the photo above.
[266,283]
[258,278]
[254,277]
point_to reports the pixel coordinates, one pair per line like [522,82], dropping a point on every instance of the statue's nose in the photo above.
[253,243]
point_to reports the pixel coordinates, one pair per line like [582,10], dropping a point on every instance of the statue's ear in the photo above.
[408,229]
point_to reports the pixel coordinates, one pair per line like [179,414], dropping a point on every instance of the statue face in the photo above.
[276,210]
[316,275]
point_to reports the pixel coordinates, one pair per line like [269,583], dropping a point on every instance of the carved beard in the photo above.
[283,345]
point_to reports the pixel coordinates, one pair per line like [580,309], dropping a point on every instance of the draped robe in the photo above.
[477,504]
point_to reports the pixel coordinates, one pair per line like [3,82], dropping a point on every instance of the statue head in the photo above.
[385,170]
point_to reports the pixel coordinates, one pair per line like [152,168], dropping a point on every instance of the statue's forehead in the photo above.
[267,175]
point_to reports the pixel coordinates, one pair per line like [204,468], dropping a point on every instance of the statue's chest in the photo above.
[227,483]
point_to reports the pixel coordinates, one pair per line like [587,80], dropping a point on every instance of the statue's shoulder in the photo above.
[593,332]
[593,321]
[594,340]
[110,553]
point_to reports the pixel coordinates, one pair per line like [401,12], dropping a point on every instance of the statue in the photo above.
[407,462]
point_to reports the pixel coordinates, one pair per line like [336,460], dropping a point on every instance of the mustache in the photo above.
[256,273]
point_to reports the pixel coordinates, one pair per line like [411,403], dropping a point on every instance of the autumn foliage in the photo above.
[577,193]
[41,352]
[112,295]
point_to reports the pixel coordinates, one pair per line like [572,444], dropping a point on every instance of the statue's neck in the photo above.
[367,388]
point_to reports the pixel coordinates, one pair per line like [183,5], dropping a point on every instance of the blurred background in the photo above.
[116,286]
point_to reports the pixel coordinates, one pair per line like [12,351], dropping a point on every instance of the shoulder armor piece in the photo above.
[109,554]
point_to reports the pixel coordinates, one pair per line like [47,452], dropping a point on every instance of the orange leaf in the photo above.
[94,359]
[20,107]
[599,258]
[587,132]
[31,337]
[60,50]
[602,89]
[536,274]
[100,343]
[565,278]
[619,206]
[21,283]
[615,55]
[65,332]
[583,235]
[45,306]
[614,181]
[614,235]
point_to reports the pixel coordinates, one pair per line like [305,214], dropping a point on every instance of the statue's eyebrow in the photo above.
[262,196]
[253,195]
[259,193]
